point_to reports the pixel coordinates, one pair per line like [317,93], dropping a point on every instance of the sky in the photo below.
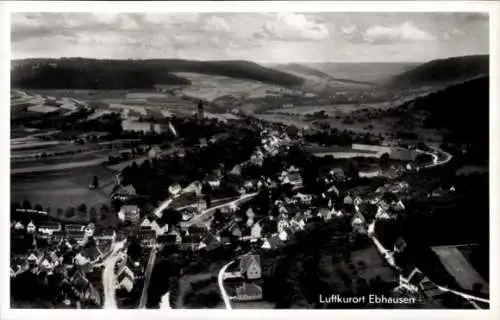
[261,37]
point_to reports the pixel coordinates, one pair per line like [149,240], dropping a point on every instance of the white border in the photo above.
[255,6]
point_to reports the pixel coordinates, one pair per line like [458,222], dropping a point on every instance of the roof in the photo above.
[167,238]
[147,234]
[69,227]
[76,233]
[129,207]
[247,260]
[50,225]
[275,242]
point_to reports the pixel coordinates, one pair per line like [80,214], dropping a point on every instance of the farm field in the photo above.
[61,189]
[458,266]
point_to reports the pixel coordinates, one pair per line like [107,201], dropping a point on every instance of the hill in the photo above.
[462,109]
[316,73]
[79,73]
[442,72]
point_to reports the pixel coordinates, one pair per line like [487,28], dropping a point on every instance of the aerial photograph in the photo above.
[249,160]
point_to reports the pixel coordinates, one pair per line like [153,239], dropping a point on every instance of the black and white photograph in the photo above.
[260,159]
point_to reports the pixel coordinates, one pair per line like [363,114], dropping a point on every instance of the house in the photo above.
[358,220]
[154,152]
[348,200]
[89,230]
[283,235]
[358,201]
[18,226]
[159,226]
[80,259]
[304,198]
[195,187]
[129,213]
[31,228]
[174,189]
[283,224]
[209,242]
[213,181]
[147,238]
[399,206]
[58,235]
[146,223]
[104,235]
[78,236]
[126,278]
[400,245]
[177,235]
[250,266]
[272,243]
[74,227]
[49,228]
[256,230]
[33,259]
[248,292]
[124,192]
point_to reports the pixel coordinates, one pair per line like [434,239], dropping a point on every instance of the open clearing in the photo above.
[457,265]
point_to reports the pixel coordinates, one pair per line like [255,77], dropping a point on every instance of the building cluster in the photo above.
[72,252]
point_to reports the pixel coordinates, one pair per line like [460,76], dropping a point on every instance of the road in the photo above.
[108,276]
[220,281]
[165,301]
[147,278]
[435,158]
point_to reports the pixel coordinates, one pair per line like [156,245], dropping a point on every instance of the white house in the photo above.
[348,200]
[81,260]
[89,230]
[256,230]
[146,223]
[266,245]
[19,226]
[159,228]
[31,228]
[283,235]
[174,189]
[50,228]
[283,224]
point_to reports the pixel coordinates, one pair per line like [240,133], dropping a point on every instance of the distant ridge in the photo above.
[83,73]
[442,71]
[308,70]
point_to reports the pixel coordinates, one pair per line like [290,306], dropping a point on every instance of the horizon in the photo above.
[265,38]
[257,62]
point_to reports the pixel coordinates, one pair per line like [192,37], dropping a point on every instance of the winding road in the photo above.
[220,281]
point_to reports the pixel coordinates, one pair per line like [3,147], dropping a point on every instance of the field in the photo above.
[61,189]
[209,87]
[458,266]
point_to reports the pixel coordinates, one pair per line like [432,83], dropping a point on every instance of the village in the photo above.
[264,217]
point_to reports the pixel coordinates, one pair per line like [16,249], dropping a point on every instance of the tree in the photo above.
[26,204]
[70,212]
[95,182]
[59,212]
[14,206]
[48,210]
[352,169]
[172,217]
[82,208]
[103,212]
[384,161]
[93,214]
[38,207]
